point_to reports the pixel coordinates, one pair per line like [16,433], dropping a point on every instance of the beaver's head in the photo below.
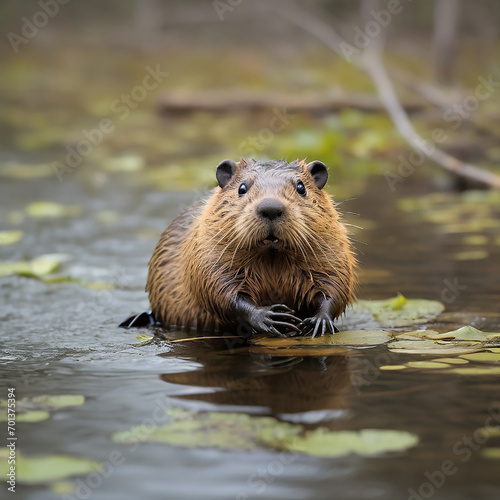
[272,206]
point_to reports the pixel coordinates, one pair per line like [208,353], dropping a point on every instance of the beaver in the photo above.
[266,252]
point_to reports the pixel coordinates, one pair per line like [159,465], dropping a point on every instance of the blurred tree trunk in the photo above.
[445,43]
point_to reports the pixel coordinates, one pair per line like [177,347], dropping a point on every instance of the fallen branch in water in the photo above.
[180,102]
[371,62]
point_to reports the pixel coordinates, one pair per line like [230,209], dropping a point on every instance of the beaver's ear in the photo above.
[319,172]
[225,171]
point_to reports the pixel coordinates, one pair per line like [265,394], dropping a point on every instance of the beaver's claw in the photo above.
[276,320]
[320,324]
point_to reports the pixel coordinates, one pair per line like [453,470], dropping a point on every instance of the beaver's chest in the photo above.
[277,281]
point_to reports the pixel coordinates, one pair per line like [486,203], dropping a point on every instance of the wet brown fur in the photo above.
[213,251]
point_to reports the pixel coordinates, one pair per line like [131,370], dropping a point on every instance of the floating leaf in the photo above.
[33,416]
[29,416]
[129,163]
[399,311]
[232,431]
[393,367]
[486,370]
[318,346]
[10,237]
[227,431]
[433,365]
[427,346]
[46,468]
[144,339]
[475,239]
[491,431]
[487,357]
[61,401]
[472,255]
[63,488]
[452,361]
[468,333]
[491,453]
[324,443]
[107,217]
[37,268]
[24,171]
[41,209]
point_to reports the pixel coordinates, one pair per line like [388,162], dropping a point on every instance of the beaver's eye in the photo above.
[301,189]
[242,189]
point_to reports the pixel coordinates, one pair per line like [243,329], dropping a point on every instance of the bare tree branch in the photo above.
[371,62]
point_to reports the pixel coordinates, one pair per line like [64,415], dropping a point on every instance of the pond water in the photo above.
[62,338]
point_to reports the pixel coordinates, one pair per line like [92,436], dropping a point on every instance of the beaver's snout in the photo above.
[270,209]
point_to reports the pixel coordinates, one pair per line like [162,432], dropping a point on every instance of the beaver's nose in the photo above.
[270,208]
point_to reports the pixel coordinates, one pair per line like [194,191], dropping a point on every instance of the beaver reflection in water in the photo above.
[266,253]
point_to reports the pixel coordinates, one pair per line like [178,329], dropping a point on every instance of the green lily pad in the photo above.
[491,453]
[471,255]
[10,237]
[233,431]
[30,416]
[61,401]
[63,488]
[46,468]
[400,311]
[453,361]
[486,357]
[41,209]
[25,171]
[427,365]
[37,268]
[227,431]
[130,163]
[324,443]
[477,370]
[37,409]
[475,239]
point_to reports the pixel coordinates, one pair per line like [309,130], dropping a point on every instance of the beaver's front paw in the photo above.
[320,324]
[277,320]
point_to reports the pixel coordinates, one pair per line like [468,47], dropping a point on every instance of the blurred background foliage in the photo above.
[90,55]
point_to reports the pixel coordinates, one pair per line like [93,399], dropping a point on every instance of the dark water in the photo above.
[62,339]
